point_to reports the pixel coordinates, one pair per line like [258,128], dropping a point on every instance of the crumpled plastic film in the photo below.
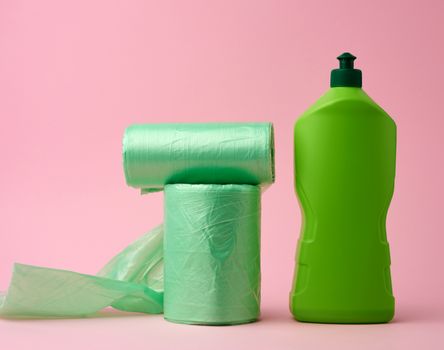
[213,175]
[131,281]
[209,153]
[141,262]
[212,253]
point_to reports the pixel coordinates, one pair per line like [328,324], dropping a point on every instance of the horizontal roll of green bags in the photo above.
[212,253]
[208,153]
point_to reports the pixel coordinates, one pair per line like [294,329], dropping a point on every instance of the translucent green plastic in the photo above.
[212,253]
[131,281]
[212,245]
[209,153]
[345,169]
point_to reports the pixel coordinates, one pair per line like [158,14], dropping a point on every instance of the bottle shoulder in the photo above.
[344,101]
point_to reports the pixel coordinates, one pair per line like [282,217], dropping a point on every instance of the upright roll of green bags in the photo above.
[211,253]
[210,153]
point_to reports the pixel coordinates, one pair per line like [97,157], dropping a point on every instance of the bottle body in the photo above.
[345,151]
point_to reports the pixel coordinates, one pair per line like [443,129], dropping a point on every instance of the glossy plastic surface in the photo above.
[345,169]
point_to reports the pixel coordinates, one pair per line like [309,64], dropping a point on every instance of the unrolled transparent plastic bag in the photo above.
[131,281]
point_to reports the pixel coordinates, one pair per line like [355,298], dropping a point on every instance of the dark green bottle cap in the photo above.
[346,75]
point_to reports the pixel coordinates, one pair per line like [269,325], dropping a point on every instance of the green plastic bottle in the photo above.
[345,150]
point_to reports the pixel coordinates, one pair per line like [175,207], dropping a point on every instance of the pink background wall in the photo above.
[74,74]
